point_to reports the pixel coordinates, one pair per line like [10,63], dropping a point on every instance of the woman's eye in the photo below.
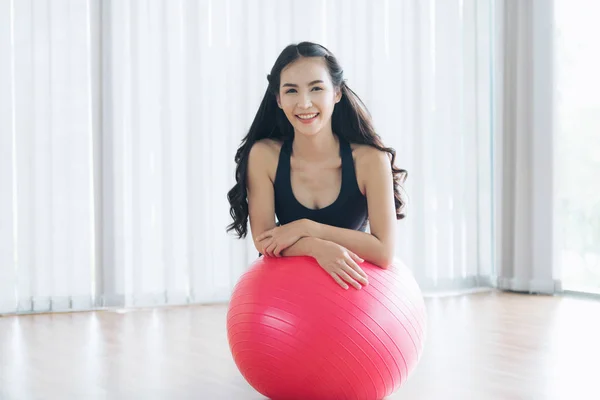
[316,88]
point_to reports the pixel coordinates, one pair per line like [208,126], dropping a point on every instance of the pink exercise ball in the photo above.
[294,333]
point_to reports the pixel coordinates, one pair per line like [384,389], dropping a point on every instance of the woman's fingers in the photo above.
[356,258]
[264,247]
[346,277]
[264,243]
[265,235]
[356,272]
[338,280]
[269,248]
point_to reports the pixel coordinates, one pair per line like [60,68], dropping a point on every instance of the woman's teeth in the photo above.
[307,116]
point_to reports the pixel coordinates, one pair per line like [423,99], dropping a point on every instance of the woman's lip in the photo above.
[307,121]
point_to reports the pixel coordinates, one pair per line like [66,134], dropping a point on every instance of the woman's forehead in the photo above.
[305,70]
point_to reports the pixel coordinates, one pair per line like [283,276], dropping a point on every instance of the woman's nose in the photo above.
[304,102]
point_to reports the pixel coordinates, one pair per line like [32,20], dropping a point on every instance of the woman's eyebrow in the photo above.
[294,85]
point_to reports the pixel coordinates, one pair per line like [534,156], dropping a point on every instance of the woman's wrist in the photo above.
[311,228]
[314,244]
[305,246]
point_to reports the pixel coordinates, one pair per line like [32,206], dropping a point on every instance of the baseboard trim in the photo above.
[534,286]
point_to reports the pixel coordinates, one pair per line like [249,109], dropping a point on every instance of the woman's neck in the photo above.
[317,147]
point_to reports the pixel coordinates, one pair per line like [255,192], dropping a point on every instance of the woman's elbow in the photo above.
[385,263]
[387,258]
[258,246]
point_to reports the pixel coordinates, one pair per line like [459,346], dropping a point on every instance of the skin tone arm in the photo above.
[340,263]
[376,246]
[261,200]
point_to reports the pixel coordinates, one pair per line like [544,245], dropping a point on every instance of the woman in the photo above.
[312,158]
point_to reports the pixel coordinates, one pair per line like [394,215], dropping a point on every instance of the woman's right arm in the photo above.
[260,192]
[262,166]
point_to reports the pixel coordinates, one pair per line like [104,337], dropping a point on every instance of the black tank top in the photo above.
[349,210]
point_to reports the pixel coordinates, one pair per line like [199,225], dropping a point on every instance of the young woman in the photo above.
[313,160]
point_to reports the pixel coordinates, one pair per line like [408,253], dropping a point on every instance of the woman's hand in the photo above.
[341,264]
[275,240]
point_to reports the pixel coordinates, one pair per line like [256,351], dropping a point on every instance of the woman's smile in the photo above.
[307,118]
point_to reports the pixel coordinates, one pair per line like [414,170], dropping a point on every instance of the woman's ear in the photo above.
[338,95]
[278,100]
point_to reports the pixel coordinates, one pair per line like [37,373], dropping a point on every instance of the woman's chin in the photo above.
[306,131]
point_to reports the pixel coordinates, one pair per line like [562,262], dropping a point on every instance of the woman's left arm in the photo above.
[378,245]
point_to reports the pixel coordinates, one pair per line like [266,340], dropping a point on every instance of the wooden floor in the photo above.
[483,346]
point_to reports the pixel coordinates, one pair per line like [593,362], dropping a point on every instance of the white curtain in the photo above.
[525,206]
[47,218]
[431,99]
[129,175]
[175,107]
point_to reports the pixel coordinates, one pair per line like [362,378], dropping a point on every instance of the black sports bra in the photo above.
[349,210]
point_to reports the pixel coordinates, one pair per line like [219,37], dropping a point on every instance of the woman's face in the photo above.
[307,96]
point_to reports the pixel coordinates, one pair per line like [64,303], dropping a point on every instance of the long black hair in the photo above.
[350,120]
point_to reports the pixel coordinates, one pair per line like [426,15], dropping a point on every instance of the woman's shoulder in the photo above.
[365,155]
[265,149]
[267,146]
[369,163]
[264,155]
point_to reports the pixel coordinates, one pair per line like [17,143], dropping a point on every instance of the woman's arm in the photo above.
[365,245]
[339,262]
[304,247]
[260,192]
[378,245]
[262,162]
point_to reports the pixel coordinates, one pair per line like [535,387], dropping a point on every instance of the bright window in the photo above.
[577,157]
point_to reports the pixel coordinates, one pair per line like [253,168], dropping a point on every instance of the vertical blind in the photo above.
[47,219]
[525,142]
[122,118]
